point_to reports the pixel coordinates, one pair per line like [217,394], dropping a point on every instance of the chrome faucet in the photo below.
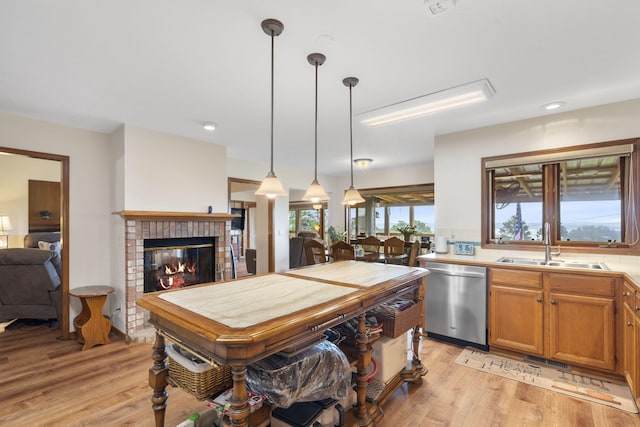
[546,240]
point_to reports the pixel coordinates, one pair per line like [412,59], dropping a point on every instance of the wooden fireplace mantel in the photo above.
[176,216]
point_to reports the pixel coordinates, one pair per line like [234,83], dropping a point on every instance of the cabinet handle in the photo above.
[629,324]
[625,294]
[637,308]
[553,302]
[538,299]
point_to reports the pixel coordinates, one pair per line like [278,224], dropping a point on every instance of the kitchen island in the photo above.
[239,322]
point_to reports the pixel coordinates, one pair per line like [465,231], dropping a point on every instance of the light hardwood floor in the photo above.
[48,382]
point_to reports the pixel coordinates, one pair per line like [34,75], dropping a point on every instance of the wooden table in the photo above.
[239,322]
[92,327]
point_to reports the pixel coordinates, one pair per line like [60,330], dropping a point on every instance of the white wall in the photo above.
[457,156]
[118,257]
[170,173]
[89,211]
[15,173]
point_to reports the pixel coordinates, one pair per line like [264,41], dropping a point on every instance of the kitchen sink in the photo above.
[555,263]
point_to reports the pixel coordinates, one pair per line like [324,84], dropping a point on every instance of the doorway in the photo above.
[64,225]
[241,195]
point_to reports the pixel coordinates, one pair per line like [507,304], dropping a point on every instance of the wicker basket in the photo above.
[404,320]
[200,379]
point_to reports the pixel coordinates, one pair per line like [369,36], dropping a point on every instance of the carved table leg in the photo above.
[239,411]
[419,295]
[158,380]
[364,358]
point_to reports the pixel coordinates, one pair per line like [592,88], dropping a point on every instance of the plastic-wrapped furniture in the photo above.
[320,372]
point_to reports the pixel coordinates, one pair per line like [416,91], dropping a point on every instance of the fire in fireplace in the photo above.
[179,262]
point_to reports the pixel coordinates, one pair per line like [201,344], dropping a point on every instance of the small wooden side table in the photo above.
[91,325]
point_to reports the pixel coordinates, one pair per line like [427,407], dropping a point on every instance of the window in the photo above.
[304,217]
[587,195]
[385,209]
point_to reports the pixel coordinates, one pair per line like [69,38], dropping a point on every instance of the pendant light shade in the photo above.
[315,193]
[271,185]
[352,196]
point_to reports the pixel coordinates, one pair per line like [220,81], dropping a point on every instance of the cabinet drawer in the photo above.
[582,284]
[513,277]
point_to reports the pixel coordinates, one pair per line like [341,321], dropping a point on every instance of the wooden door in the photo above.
[44,205]
[582,330]
[516,319]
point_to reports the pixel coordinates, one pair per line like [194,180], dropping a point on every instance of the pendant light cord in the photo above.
[315,167]
[272,68]
[351,132]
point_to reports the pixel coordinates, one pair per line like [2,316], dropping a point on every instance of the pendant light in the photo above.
[352,196]
[315,193]
[271,185]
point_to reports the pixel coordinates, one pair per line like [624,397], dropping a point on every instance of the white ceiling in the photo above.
[171,65]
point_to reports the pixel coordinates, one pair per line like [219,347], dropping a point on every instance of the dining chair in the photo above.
[371,248]
[413,253]
[394,251]
[342,251]
[315,252]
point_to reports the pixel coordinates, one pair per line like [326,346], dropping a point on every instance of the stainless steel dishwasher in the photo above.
[456,304]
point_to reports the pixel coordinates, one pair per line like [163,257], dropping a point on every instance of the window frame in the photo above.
[427,189]
[630,194]
[301,206]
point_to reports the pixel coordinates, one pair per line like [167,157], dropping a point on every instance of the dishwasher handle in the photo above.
[456,273]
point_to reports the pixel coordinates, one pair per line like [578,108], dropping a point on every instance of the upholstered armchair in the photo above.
[29,284]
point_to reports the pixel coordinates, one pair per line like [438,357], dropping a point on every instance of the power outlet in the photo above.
[115,310]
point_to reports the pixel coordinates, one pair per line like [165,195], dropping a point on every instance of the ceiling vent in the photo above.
[438,7]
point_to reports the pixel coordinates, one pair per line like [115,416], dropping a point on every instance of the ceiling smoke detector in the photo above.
[438,7]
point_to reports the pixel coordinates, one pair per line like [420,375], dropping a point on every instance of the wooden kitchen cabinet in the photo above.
[516,310]
[631,337]
[561,316]
[582,330]
[515,319]
[582,320]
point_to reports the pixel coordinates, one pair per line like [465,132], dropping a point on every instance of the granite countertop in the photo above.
[627,266]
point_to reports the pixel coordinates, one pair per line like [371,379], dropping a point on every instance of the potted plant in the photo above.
[406,230]
[334,235]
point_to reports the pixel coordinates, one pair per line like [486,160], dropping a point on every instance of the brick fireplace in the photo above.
[144,225]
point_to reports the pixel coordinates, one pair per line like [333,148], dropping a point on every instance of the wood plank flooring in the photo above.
[45,381]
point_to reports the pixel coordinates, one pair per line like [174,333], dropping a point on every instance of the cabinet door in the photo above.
[515,319]
[630,346]
[582,330]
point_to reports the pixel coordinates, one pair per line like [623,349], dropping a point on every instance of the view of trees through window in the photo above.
[385,210]
[304,220]
[583,198]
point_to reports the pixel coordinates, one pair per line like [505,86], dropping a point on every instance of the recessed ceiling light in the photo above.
[209,126]
[553,105]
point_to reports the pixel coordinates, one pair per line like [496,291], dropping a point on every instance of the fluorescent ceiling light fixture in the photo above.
[553,105]
[446,99]
[209,126]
